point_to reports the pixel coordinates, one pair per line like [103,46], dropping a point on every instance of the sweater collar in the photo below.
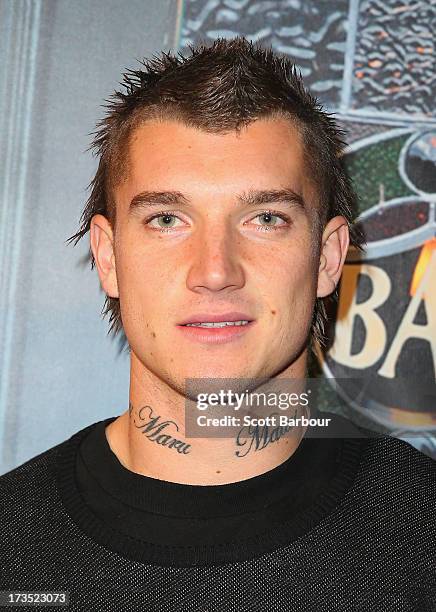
[175,499]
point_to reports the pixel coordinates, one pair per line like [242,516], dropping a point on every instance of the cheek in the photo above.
[143,279]
[292,294]
[292,274]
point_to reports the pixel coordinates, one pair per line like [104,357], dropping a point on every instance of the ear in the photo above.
[334,247]
[102,246]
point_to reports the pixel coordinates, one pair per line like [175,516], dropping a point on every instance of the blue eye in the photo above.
[164,221]
[270,220]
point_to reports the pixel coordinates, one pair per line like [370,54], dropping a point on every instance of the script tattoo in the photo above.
[153,428]
[257,437]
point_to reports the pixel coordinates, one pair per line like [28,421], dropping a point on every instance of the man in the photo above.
[219,221]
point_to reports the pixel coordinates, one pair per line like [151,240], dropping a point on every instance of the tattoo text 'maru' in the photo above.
[157,430]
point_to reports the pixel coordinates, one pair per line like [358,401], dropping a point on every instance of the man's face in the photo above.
[228,246]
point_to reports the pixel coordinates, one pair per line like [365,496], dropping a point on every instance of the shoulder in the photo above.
[32,515]
[28,512]
[29,492]
[390,454]
[394,476]
[387,515]
[34,473]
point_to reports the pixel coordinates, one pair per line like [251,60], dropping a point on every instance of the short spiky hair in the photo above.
[220,88]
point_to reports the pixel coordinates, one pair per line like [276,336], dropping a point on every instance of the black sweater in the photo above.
[342,525]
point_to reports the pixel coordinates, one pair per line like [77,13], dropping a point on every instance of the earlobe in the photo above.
[101,236]
[335,242]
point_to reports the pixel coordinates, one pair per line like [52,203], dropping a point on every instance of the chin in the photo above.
[211,377]
[215,372]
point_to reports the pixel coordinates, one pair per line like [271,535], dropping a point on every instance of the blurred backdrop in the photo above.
[372,63]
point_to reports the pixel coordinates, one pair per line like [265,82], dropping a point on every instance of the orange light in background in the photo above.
[427,250]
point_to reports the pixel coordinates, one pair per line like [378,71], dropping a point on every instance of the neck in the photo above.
[150,439]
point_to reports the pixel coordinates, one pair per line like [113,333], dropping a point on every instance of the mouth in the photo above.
[218,324]
[216,329]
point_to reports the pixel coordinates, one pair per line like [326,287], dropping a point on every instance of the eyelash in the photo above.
[262,228]
[163,213]
[274,213]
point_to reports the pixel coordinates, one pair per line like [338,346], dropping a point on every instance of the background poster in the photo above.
[371,63]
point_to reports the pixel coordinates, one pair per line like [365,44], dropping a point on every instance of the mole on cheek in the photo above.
[273,312]
[153,334]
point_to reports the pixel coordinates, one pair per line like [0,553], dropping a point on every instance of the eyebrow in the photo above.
[252,197]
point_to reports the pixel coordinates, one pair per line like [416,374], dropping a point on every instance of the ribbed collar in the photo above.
[299,524]
[183,500]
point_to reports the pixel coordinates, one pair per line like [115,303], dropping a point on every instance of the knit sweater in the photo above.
[363,540]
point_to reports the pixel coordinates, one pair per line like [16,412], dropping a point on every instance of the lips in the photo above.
[208,317]
[216,328]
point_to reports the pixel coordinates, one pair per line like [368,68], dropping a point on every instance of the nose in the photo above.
[216,264]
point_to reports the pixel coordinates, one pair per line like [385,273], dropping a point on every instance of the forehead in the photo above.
[267,153]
